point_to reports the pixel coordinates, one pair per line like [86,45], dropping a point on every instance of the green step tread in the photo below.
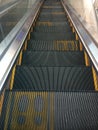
[50,110]
[53,45]
[53,78]
[52,36]
[53,58]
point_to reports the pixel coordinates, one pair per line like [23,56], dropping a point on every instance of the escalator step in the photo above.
[52,36]
[52,7]
[61,24]
[51,10]
[52,29]
[53,45]
[53,78]
[52,15]
[53,58]
[52,19]
[49,111]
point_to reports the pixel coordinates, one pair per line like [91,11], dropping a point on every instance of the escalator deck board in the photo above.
[53,58]
[53,78]
[53,45]
[49,111]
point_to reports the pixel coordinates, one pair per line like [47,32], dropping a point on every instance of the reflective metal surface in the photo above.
[90,45]
[8,59]
[4,8]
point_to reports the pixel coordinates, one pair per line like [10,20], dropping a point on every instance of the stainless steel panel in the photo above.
[89,43]
[8,59]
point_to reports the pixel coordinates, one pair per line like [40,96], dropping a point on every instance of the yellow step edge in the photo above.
[12,77]
[95,77]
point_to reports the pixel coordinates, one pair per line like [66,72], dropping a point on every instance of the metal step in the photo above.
[53,78]
[37,45]
[52,15]
[53,58]
[52,36]
[52,19]
[27,110]
[52,29]
[45,23]
[51,7]
[45,10]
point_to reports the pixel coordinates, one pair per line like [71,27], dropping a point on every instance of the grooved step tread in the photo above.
[53,45]
[52,19]
[52,10]
[53,78]
[53,58]
[52,15]
[50,111]
[52,29]
[53,6]
[52,36]
[47,23]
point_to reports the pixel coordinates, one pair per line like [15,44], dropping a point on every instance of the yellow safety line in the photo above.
[20,57]
[95,77]
[52,111]
[1,101]
[77,38]
[73,29]
[29,36]
[44,23]
[25,45]
[87,63]
[7,112]
[12,77]
[81,46]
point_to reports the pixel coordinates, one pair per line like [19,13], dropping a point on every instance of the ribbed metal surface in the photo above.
[52,10]
[50,111]
[53,45]
[52,29]
[53,78]
[52,17]
[52,36]
[52,89]
[53,58]
[45,23]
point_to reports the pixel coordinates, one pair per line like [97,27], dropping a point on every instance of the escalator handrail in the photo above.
[10,56]
[91,46]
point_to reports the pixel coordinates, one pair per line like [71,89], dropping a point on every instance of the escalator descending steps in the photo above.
[52,89]
[30,110]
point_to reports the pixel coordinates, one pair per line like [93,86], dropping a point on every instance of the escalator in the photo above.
[52,88]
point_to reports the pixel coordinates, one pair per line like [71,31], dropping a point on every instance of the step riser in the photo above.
[53,78]
[53,58]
